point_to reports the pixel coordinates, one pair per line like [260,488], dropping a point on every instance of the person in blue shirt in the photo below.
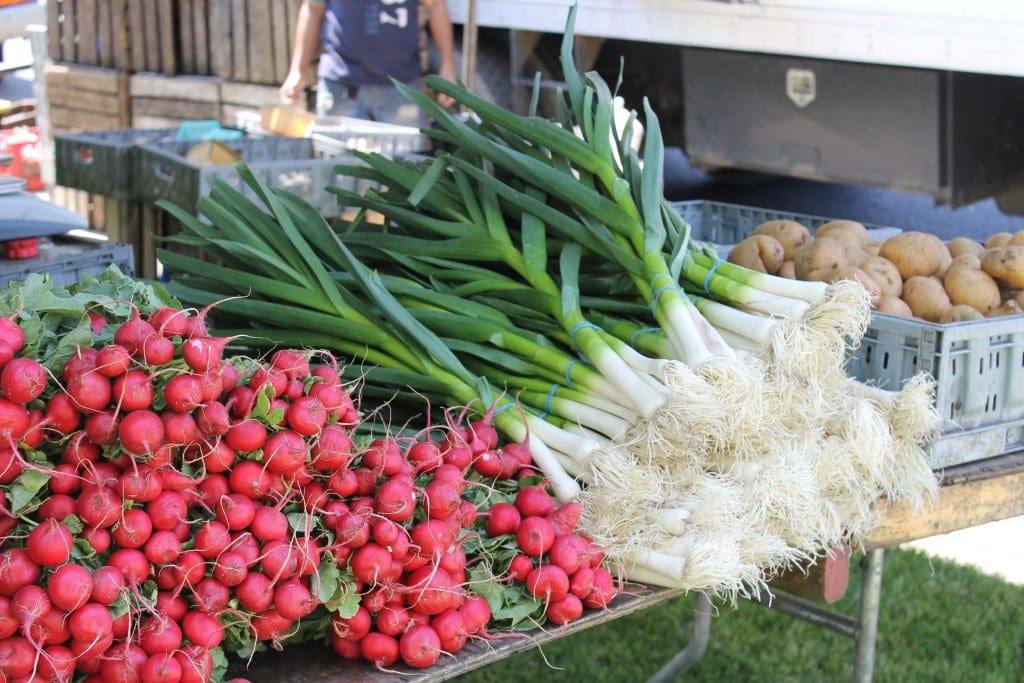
[361,43]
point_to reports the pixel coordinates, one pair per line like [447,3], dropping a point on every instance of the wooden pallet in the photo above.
[89,32]
[86,98]
[238,97]
[250,41]
[159,101]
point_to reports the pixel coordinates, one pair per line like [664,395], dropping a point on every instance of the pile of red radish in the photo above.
[161,505]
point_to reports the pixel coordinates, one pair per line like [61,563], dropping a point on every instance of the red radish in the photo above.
[442,499]
[11,464]
[293,600]
[132,564]
[56,664]
[370,563]
[246,545]
[170,322]
[285,452]
[17,657]
[202,354]
[476,614]
[133,333]
[548,583]
[171,605]
[431,589]
[280,560]
[230,568]
[566,518]
[162,547]
[161,668]
[294,391]
[568,608]
[88,652]
[16,570]
[451,629]
[343,482]
[213,418]
[23,380]
[203,630]
[83,360]
[8,624]
[270,625]
[353,530]
[157,350]
[134,529]
[11,334]
[384,457]
[581,582]
[218,458]
[306,415]
[64,417]
[196,664]
[236,511]
[141,484]
[268,524]
[534,501]
[396,500]
[308,555]
[28,604]
[425,456]
[333,448]
[36,432]
[602,590]
[80,451]
[210,385]
[392,620]
[490,464]
[210,595]
[535,536]
[133,391]
[520,567]
[6,353]
[565,553]
[385,532]
[90,622]
[159,633]
[98,538]
[122,663]
[255,593]
[345,648]
[484,432]
[455,451]
[56,507]
[294,365]
[190,568]
[467,514]
[453,561]
[249,478]
[503,518]
[241,402]
[113,361]
[183,393]
[167,510]
[379,649]
[98,506]
[14,420]
[247,435]
[90,390]
[101,428]
[367,480]
[141,432]
[50,628]
[212,539]
[264,375]
[179,428]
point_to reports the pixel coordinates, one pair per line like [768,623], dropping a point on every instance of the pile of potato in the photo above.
[911,274]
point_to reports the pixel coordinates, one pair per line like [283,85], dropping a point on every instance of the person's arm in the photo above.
[444,39]
[307,47]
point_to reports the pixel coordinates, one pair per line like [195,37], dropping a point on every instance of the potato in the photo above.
[842,230]
[885,275]
[790,234]
[1008,307]
[945,260]
[926,297]
[857,275]
[966,260]
[1017,239]
[1012,295]
[916,254]
[1006,265]
[974,288]
[759,252]
[819,254]
[998,239]
[873,248]
[961,313]
[823,275]
[788,270]
[893,306]
[964,245]
[855,256]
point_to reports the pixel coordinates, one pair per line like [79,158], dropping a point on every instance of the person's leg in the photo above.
[388,105]
[332,99]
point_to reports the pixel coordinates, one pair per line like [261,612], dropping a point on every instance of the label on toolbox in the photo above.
[801,86]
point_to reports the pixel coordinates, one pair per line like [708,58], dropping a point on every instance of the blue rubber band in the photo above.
[543,414]
[642,330]
[568,373]
[551,397]
[656,294]
[578,327]
[504,408]
[707,278]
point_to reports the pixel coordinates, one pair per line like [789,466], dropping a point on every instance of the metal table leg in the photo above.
[871,599]
[694,649]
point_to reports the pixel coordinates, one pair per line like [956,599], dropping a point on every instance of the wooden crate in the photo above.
[90,32]
[153,35]
[160,101]
[250,41]
[236,97]
[86,98]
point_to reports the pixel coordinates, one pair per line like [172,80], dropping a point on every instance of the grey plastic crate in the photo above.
[103,162]
[67,259]
[978,366]
[299,165]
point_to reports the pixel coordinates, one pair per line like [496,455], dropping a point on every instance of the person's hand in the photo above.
[447,72]
[291,90]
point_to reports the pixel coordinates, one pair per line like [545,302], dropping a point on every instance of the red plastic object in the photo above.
[21,249]
[24,144]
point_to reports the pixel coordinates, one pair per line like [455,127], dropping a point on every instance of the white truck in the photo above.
[919,95]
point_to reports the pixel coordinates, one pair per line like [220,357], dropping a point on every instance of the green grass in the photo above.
[939,622]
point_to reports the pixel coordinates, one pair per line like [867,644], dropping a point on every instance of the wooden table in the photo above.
[970,495]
